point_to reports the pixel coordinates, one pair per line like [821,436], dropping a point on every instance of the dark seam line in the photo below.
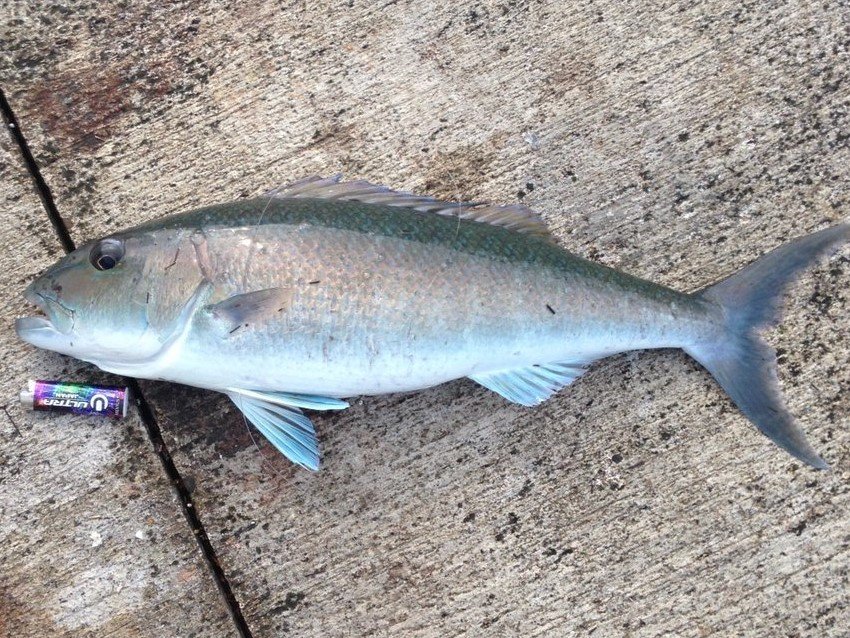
[40,185]
[145,413]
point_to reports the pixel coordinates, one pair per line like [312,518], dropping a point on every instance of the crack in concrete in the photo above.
[145,412]
[5,409]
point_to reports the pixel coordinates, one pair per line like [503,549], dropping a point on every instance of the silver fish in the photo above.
[328,289]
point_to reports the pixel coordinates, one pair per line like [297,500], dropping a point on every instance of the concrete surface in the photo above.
[677,141]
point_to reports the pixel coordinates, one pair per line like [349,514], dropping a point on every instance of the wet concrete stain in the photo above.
[449,174]
[81,108]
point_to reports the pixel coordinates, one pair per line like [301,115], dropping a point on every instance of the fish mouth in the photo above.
[32,324]
[55,320]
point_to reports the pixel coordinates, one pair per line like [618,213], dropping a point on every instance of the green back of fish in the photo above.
[464,236]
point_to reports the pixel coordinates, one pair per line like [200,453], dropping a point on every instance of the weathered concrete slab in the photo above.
[677,142]
[92,542]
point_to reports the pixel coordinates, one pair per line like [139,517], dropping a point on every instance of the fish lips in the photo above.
[42,331]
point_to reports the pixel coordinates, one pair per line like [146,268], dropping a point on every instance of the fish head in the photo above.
[92,302]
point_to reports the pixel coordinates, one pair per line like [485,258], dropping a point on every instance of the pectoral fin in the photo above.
[532,385]
[251,307]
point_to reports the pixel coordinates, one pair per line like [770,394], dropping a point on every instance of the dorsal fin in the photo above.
[515,217]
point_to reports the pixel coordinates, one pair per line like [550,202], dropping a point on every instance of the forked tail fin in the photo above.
[745,365]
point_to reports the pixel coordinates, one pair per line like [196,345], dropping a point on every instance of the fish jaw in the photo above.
[37,331]
[53,330]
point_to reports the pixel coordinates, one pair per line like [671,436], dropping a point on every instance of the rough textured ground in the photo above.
[677,141]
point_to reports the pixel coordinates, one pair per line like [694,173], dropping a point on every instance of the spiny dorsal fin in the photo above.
[515,217]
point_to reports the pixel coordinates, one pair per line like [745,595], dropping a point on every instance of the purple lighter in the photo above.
[77,398]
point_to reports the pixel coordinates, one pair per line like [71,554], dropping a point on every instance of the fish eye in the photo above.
[106,254]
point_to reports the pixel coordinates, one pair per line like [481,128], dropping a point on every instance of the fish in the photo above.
[325,289]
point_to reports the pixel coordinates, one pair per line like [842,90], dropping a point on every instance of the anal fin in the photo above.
[531,385]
